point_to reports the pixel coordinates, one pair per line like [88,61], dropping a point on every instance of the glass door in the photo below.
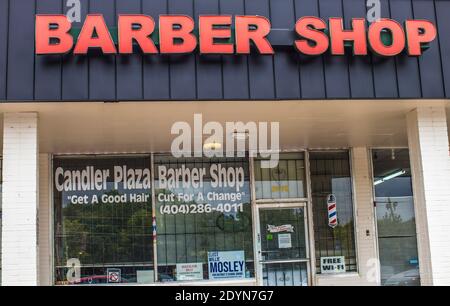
[396,225]
[283,248]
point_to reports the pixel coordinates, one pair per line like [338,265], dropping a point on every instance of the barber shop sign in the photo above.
[226,34]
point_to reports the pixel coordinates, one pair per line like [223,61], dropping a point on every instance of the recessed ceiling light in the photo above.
[212,146]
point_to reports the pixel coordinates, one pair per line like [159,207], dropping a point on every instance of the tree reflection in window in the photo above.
[103,235]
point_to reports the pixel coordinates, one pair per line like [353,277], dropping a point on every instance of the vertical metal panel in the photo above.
[102,67]
[183,83]
[312,78]
[21,50]
[385,74]
[235,69]
[209,67]
[407,67]
[336,67]
[286,60]
[156,67]
[75,73]
[129,67]
[443,24]
[260,66]
[4,8]
[187,77]
[47,79]
[430,61]
[360,67]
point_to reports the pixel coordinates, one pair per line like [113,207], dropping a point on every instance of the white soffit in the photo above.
[95,127]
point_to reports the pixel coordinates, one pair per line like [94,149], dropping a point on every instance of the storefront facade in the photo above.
[96,188]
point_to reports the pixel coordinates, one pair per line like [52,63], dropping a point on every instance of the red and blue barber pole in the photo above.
[332,213]
[154,228]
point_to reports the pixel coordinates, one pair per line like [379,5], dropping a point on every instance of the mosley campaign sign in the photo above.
[229,264]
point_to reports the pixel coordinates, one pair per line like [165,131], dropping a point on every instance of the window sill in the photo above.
[235,282]
[338,275]
[343,279]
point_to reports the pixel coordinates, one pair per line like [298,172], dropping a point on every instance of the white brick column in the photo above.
[20,199]
[366,242]
[430,165]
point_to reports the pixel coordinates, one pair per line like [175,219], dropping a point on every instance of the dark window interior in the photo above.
[330,174]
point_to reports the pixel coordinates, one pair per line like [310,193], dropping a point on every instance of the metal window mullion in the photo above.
[234,223]
[353,234]
[185,240]
[351,252]
[195,229]
[262,181]
[175,228]
[276,277]
[296,162]
[336,168]
[281,200]
[374,211]
[292,273]
[52,221]
[255,225]
[323,178]
[154,237]
[310,244]
[133,235]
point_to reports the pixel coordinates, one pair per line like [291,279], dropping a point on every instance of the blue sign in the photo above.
[414,261]
[225,265]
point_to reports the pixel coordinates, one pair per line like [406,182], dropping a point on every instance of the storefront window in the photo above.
[1,216]
[397,241]
[332,205]
[103,220]
[282,182]
[204,219]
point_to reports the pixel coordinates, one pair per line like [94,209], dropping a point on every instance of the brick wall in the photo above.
[430,162]
[20,198]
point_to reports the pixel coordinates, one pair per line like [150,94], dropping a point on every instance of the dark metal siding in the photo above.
[20,56]
[286,75]
[408,76]
[4,8]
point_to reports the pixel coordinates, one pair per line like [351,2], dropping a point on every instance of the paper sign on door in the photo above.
[284,241]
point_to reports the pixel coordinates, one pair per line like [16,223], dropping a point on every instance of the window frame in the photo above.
[255,204]
[52,157]
[150,155]
[285,205]
[372,177]
[247,159]
[354,207]
[287,200]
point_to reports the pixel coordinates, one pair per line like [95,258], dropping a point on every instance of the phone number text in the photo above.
[173,209]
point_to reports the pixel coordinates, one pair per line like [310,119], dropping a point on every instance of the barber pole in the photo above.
[332,213]
[154,228]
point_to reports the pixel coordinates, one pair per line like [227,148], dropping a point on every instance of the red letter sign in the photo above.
[178,27]
[418,32]
[95,24]
[309,29]
[208,33]
[357,35]
[397,34]
[127,33]
[44,34]
[258,35]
